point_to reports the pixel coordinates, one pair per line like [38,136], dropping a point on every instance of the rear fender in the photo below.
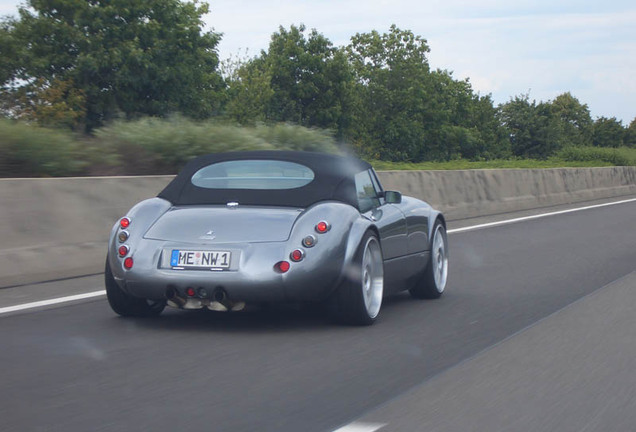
[141,216]
[358,229]
[347,227]
[322,266]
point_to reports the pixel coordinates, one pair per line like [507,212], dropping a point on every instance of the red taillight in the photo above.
[123,250]
[190,292]
[322,227]
[124,222]
[282,267]
[297,255]
[128,263]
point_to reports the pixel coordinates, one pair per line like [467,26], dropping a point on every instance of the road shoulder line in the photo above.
[537,216]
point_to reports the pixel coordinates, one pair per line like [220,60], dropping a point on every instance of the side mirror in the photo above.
[392,197]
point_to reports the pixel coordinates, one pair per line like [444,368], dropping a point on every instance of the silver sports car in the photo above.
[275,226]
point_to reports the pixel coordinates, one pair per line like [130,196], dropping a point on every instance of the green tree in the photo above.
[575,120]
[533,129]
[469,127]
[484,117]
[8,52]
[302,78]
[608,132]
[630,134]
[406,112]
[309,78]
[129,57]
[393,108]
[55,104]
[249,93]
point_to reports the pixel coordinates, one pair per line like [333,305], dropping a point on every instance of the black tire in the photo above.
[358,299]
[125,304]
[433,281]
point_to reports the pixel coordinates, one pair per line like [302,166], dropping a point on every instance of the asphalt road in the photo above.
[78,367]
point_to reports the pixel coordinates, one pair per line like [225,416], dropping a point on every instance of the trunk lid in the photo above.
[222,224]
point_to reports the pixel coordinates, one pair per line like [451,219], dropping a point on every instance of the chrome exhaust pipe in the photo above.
[174,299]
[221,303]
[220,295]
[216,306]
[238,306]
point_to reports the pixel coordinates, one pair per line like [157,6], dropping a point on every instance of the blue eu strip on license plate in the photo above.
[174,259]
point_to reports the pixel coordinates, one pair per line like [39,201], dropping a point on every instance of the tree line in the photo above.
[82,65]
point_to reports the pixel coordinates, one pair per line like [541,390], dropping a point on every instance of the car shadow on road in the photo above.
[279,318]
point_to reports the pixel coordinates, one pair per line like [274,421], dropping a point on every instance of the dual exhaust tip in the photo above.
[200,298]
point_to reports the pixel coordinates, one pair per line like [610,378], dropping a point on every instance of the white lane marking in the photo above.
[37,304]
[58,300]
[361,427]
[537,216]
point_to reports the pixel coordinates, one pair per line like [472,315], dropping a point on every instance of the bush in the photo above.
[285,136]
[32,151]
[614,156]
[163,146]
[156,146]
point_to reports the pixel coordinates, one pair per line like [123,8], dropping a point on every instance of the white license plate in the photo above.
[200,259]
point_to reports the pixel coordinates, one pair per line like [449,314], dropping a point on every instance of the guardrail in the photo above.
[58,228]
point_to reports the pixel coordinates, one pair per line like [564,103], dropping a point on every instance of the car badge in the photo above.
[208,236]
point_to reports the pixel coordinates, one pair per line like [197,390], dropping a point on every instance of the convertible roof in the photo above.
[333,180]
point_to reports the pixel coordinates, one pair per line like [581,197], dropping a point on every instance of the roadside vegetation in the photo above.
[162,146]
[141,147]
[92,89]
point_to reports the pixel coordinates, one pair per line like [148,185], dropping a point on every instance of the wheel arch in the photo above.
[435,216]
[358,229]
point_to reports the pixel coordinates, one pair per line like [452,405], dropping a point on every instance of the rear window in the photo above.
[253,174]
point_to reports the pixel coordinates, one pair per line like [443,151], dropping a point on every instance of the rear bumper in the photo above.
[253,277]
[237,288]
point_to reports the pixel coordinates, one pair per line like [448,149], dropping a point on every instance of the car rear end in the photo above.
[221,257]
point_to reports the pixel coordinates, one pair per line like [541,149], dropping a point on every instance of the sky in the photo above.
[504,47]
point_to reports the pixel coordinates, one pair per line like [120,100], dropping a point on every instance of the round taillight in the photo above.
[322,227]
[124,222]
[128,263]
[309,241]
[190,292]
[282,266]
[123,236]
[123,250]
[297,255]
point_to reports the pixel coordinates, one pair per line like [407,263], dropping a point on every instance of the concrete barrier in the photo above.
[470,193]
[58,228]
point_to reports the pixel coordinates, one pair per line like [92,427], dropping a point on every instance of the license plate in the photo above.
[200,259]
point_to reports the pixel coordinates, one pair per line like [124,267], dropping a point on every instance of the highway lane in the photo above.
[79,367]
[570,372]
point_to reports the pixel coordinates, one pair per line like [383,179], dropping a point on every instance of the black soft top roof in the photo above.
[333,180]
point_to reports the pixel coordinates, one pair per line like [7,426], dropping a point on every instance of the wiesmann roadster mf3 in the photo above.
[277,226]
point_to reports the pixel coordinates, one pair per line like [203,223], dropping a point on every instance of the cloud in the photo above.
[546,54]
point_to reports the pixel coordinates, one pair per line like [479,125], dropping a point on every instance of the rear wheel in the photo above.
[433,281]
[127,305]
[358,299]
